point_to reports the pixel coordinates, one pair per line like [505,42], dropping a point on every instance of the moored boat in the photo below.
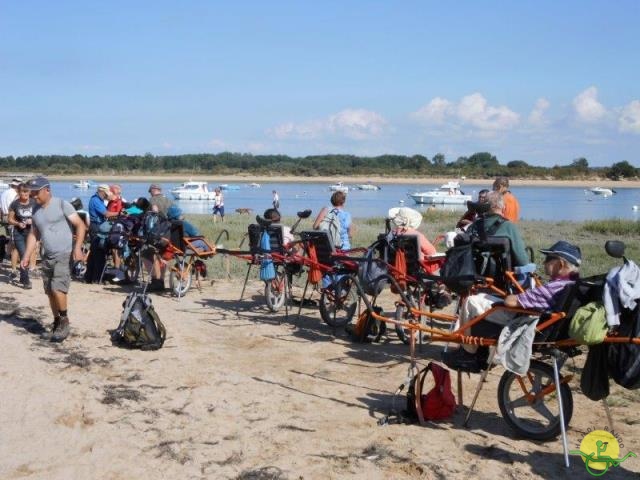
[339,187]
[449,193]
[193,191]
[607,192]
[368,186]
[84,184]
[225,186]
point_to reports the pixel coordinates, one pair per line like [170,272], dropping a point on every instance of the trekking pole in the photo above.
[563,429]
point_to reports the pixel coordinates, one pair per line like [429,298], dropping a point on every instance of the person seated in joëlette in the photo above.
[562,265]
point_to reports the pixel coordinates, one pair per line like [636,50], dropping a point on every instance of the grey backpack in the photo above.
[331,224]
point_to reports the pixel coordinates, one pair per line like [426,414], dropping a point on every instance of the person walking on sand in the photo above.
[276,200]
[218,204]
[511,209]
[53,222]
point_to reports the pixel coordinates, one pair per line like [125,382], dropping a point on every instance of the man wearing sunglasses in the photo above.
[52,222]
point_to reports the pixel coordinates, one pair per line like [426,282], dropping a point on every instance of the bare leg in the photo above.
[15,257]
[57,302]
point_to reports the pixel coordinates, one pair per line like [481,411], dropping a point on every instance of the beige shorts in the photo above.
[56,273]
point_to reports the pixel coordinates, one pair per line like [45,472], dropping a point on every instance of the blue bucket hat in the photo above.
[571,253]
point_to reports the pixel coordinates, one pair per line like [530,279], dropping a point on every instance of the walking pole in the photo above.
[492,353]
[565,445]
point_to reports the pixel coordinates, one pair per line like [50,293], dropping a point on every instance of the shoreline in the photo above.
[354,179]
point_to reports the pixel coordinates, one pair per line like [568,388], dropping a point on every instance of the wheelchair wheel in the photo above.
[536,419]
[404,334]
[180,278]
[274,292]
[338,302]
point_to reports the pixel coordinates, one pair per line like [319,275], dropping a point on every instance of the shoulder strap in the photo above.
[494,228]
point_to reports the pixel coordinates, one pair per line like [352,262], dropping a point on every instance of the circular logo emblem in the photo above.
[599,442]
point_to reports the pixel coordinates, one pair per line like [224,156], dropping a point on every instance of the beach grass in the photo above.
[590,236]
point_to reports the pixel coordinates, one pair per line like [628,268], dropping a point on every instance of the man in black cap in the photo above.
[51,222]
[561,264]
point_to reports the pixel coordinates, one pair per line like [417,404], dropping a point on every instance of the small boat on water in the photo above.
[193,191]
[339,187]
[255,185]
[225,186]
[84,184]
[368,186]
[607,192]
[447,194]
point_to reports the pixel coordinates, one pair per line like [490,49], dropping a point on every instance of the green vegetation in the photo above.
[590,236]
[478,165]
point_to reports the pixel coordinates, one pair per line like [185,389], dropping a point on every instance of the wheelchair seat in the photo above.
[276,242]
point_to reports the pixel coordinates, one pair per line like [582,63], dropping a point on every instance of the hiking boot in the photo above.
[27,286]
[462,360]
[61,330]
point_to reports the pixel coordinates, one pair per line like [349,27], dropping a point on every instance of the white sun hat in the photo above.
[405,217]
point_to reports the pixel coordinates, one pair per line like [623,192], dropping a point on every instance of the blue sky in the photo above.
[545,82]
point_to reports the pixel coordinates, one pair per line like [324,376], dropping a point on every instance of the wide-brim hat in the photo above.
[405,217]
[154,186]
[15,182]
[571,253]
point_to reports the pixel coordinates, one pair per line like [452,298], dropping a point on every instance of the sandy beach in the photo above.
[348,180]
[253,395]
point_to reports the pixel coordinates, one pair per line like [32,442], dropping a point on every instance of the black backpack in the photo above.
[157,230]
[624,358]
[140,327]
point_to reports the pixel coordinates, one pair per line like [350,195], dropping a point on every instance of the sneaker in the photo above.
[13,276]
[462,360]
[62,330]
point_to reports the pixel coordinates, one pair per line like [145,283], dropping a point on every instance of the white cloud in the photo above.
[216,143]
[167,145]
[91,148]
[356,124]
[435,111]
[587,107]
[629,120]
[472,111]
[537,115]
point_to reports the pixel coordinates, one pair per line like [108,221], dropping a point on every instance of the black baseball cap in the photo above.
[37,183]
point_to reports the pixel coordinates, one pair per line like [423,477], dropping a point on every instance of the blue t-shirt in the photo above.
[345,223]
[97,210]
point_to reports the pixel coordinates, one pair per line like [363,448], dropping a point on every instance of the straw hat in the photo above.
[405,217]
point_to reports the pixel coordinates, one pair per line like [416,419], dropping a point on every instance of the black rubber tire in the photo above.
[274,292]
[337,310]
[534,426]
[403,334]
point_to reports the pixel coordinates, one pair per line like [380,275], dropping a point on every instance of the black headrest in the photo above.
[304,213]
[478,207]
[614,248]
[263,221]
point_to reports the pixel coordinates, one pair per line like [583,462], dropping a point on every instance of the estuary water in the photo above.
[542,203]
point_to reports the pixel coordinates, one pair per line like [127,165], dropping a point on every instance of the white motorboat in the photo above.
[339,187]
[3,185]
[607,192]
[255,185]
[447,194]
[193,191]
[368,186]
[84,184]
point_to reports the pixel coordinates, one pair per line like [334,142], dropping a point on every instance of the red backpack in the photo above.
[437,404]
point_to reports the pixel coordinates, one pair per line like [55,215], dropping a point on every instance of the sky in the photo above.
[545,82]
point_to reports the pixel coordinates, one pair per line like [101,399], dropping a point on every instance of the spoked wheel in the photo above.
[531,417]
[404,334]
[275,292]
[338,302]
[180,279]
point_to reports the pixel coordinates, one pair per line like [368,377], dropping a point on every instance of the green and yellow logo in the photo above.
[599,450]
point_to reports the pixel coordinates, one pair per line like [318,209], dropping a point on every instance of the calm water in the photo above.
[546,203]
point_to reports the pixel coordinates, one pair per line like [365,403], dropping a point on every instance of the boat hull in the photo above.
[193,195]
[431,199]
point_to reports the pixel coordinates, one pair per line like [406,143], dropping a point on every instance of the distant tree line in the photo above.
[478,165]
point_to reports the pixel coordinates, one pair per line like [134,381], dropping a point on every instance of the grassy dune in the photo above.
[590,236]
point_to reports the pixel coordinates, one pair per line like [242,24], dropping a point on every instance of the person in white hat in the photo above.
[406,221]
